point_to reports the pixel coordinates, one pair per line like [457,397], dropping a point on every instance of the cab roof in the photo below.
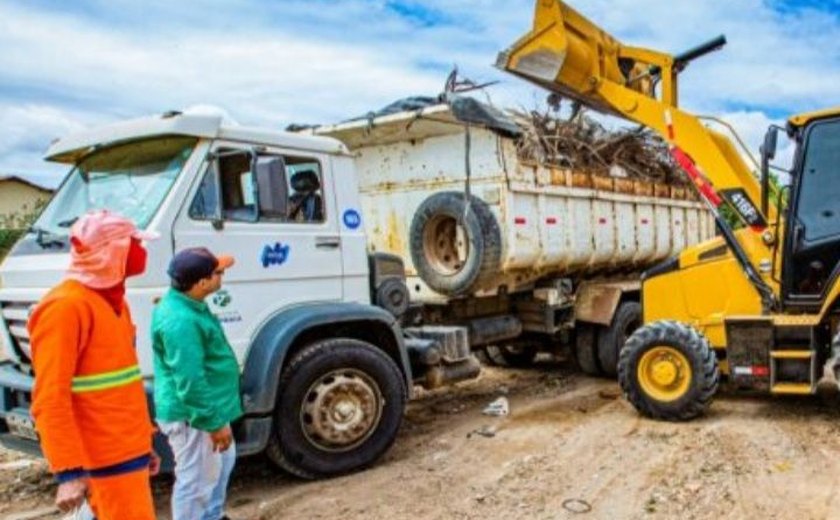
[72,148]
[803,119]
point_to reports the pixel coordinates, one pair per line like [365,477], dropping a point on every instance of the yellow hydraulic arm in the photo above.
[566,53]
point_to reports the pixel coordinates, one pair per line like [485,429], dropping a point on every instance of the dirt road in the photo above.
[571,448]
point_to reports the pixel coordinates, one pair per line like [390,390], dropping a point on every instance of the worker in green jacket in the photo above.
[196,385]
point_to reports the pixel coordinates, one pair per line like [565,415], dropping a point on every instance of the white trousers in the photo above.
[201,475]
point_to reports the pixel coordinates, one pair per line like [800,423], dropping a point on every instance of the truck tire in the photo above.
[627,318]
[585,349]
[451,264]
[516,354]
[339,408]
[668,371]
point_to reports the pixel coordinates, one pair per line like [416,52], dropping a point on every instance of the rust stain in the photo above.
[581,180]
[395,234]
[662,190]
[558,177]
[643,188]
[624,186]
[602,183]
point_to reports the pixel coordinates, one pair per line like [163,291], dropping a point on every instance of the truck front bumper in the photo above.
[17,431]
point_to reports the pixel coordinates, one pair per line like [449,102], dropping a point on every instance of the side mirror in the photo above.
[771,138]
[269,176]
[768,152]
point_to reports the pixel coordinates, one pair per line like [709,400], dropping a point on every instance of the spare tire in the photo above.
[455,249]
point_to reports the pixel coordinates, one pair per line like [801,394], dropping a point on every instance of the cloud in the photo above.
[76,64]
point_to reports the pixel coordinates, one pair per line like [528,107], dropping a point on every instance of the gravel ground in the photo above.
[570,448]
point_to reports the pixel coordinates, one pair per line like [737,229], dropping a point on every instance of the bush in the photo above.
[14,225]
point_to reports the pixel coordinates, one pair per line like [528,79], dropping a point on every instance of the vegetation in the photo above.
[13,225]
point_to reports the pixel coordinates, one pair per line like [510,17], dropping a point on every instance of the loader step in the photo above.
[792,354]
[792,388]
[795,320]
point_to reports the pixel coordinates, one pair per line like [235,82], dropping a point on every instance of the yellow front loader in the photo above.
[758,303]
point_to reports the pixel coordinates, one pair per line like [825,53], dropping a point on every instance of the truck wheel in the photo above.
[514,354]
[627,318]
[339,408]
[584,349]
[494,356]
[518,354]
[454,249]
[668,371]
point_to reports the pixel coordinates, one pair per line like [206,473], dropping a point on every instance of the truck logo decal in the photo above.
[222,298]
[352,219]
[276,254]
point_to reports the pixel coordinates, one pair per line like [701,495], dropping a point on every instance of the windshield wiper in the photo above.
[41,233]
[67,223]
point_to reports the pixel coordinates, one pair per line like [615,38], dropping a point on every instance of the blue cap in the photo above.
[192,264]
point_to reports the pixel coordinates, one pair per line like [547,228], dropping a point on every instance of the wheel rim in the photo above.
[664,373]
[341,410]
[445,245]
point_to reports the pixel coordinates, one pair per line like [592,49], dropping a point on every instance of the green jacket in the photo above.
[196,373]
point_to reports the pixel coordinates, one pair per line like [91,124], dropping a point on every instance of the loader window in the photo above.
[280,189]
[819,192]
[815,255]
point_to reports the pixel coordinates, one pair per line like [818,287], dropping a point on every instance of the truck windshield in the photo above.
[130,179]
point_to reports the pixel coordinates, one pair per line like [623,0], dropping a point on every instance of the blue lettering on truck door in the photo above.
[276,254]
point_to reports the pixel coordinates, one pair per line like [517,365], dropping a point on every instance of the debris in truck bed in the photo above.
[583,145]
[578,143]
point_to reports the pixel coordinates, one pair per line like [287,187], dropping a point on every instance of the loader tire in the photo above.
[449,261]
[339,408]
[627,318]
[668,371]
[585,349]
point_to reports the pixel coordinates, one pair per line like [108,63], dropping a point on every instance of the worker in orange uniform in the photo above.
[89,405]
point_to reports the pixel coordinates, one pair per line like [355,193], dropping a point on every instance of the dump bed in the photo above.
[547,221]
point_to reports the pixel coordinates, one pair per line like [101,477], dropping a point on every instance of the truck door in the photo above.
[274,212]
[813,234]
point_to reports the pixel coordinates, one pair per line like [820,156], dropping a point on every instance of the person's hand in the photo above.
[222,438]
[71,495]
[154,464]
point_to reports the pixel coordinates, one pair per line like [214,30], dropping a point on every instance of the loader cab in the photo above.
[811,246]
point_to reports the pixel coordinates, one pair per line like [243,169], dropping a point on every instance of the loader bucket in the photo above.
[566,53]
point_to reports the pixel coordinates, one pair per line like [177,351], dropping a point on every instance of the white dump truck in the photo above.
[367,263]
[530,257]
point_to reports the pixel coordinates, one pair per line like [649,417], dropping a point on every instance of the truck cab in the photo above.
[325,372]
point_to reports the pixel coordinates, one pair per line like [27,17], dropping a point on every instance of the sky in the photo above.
[67,66]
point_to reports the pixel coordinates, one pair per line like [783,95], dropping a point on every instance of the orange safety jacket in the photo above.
[88,403]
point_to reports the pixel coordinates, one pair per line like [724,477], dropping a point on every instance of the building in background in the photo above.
[20,202]
[20,196]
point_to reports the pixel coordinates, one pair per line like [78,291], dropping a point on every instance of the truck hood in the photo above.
[33,271]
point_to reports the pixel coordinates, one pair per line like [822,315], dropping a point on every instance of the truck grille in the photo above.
[16,314]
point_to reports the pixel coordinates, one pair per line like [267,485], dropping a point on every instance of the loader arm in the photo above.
[566,53]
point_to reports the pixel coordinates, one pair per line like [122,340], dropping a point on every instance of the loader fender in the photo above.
[270,347]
